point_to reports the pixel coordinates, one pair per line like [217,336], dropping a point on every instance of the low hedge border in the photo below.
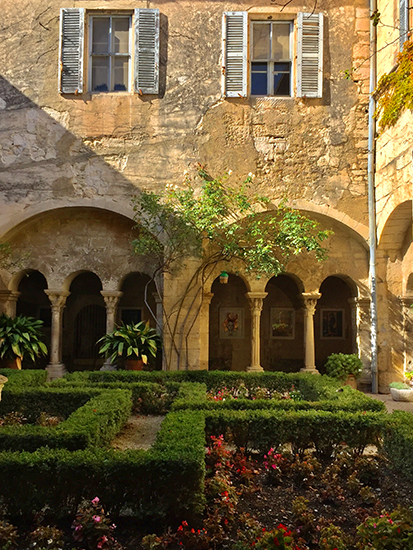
[163,485]
[398,442]
[147,397]
[23,378]
[325,431]
[312,387]
[56,401]
[94,424]
[346,399]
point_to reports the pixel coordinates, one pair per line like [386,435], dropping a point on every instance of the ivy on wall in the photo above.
[395,89]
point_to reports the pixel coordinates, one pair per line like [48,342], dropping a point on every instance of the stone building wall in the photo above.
[71,163]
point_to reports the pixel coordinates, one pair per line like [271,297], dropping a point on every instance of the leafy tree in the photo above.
[216,221]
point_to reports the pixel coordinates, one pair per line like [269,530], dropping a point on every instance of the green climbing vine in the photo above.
[395,89]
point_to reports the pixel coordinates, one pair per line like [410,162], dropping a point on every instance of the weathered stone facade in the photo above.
[70,165]
[394,216]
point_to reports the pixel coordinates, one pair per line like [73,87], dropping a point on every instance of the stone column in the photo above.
[159,321]
[407,308]
[310,302]
[56,368]
[353,324]
[256,300]
[111,298]
[8,301]
[204,331]
[363,332]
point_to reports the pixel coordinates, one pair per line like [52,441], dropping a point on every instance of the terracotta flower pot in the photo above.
[351,381]
[134,364]
[15,364]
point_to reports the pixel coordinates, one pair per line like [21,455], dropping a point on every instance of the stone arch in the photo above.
[132,306]
[229,325]
[334,319]
[394,231]
[84,321]
[15,280]
[282,332]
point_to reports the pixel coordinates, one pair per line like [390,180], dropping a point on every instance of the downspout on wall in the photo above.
[371,199]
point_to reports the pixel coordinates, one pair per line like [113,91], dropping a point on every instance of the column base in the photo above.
[56,370]
[310,370]
[108,366]
[255,368]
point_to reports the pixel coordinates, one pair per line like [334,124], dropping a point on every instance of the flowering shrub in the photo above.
[387,532]
[332,538]
[277,539]
[47,538]
[8,535]
[242,392]
[93,528]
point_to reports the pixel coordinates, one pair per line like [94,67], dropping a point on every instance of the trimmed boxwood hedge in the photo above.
[163,484]
[23,378]
[56,401]
[261,430]
[312,387]
[94,424]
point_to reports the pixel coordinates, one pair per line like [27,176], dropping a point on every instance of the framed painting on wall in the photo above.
[282,323]
[332,323]
[231,323]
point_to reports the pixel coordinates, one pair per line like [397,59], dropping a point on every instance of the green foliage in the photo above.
[395,89]
[400,386]
[398,441]
[134,341]
[324,431]
[93,424]
[387,532]
[340,365]
[21,337]
[176,224]
[23,379]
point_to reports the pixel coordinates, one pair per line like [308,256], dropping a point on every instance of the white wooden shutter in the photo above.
[310,55]
[146,80]
[403,22]
[234,53]
[72,30]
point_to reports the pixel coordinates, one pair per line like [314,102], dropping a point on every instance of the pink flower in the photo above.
[374,525]
[95,501]
[102,541]
[96,518]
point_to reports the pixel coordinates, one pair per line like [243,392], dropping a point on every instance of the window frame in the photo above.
[270,62]
[111,15]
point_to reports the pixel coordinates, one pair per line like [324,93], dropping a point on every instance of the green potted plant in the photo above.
[344,367]
[400,391]
[20,339]
[135,343]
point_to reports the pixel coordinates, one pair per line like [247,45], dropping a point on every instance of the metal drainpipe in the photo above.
[371,201]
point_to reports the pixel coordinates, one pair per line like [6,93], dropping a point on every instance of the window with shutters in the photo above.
[122,56]
[271,58]
[268,68]
[110,58]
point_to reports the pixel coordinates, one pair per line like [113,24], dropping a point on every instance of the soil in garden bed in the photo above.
[138,433]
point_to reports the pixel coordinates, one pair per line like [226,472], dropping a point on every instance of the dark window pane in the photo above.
[100,41]
[281,67]
[259,67]
[259,84]
[282,84]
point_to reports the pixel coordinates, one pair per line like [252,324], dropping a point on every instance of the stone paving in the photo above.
[391,405]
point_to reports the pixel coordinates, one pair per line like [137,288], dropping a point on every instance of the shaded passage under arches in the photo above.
[282,332]
[334,322]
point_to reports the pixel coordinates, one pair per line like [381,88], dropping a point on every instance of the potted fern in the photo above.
[20,339]
[134,343]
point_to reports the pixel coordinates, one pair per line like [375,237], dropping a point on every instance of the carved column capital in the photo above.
[310,300]
[256,300]
[57,298]
[111,298]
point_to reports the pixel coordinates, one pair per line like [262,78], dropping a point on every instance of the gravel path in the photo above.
[138,433]
[391,405]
